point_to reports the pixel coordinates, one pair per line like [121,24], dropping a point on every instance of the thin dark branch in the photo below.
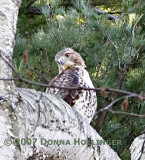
[115,12]
[127,142]
[126,113]
[34,11]
[123,126]
[112,42]
[109,16]
[133,30]
[116,100]
[135,6]
[30,4]
[37,11]
[129,94]
[100,121]
[10,79]
[38,73]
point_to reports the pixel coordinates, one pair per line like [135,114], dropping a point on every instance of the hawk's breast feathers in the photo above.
[83,101]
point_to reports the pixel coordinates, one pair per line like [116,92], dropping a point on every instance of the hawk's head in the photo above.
[68,58]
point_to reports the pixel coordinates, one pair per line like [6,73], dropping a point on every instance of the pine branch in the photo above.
[109,16]
[100,121]
[34,10]
[118,84]
[38,73]
[37,11]
[133,30]
[135,6]
[126,93]
[123,126]
[118,99]
[30,4]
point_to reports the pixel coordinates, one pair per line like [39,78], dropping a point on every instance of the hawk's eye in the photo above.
[67,55]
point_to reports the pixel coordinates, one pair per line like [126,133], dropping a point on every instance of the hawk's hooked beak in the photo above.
[62,61]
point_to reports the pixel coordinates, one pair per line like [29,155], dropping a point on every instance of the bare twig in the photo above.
[126,93]
[30,4]
[115,47]
[37,10]
[127,142]
[127,113]
[34,11]
[109,16]
[100,121]
[111,42]
[10,79]
[133,29]
[135,6]
[118,99]
[123,126]
[60,35]
[38,73]
[129,94]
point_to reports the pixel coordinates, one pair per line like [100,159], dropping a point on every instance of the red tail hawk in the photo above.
[72,73]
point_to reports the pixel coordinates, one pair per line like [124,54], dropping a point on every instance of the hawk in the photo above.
[73,73]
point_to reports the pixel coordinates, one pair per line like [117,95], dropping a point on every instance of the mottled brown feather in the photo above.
[72,73]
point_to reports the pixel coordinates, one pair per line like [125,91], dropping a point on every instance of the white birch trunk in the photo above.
[36,115]
[8,20]
[30,114]
[137,148]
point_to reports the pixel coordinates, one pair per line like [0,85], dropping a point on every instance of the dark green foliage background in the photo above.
[103,44]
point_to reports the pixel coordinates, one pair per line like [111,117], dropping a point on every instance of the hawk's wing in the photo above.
[69,78]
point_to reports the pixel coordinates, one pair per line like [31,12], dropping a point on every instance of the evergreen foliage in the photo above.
[106,46]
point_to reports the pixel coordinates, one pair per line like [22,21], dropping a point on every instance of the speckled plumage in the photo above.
[75,75]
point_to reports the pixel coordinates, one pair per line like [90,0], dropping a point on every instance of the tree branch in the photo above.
[126,93]
[123,126]
[126,113]
[135,26]
[118,99]
[30,4]
[109,16]
[72,88]
[38,73]
[37,11]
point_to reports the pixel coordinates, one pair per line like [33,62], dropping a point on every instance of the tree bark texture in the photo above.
[137,148]
[29,114]
[8,20]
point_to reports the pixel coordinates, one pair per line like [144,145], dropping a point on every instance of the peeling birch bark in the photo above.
[137,148]
[8,20]
[41,116]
